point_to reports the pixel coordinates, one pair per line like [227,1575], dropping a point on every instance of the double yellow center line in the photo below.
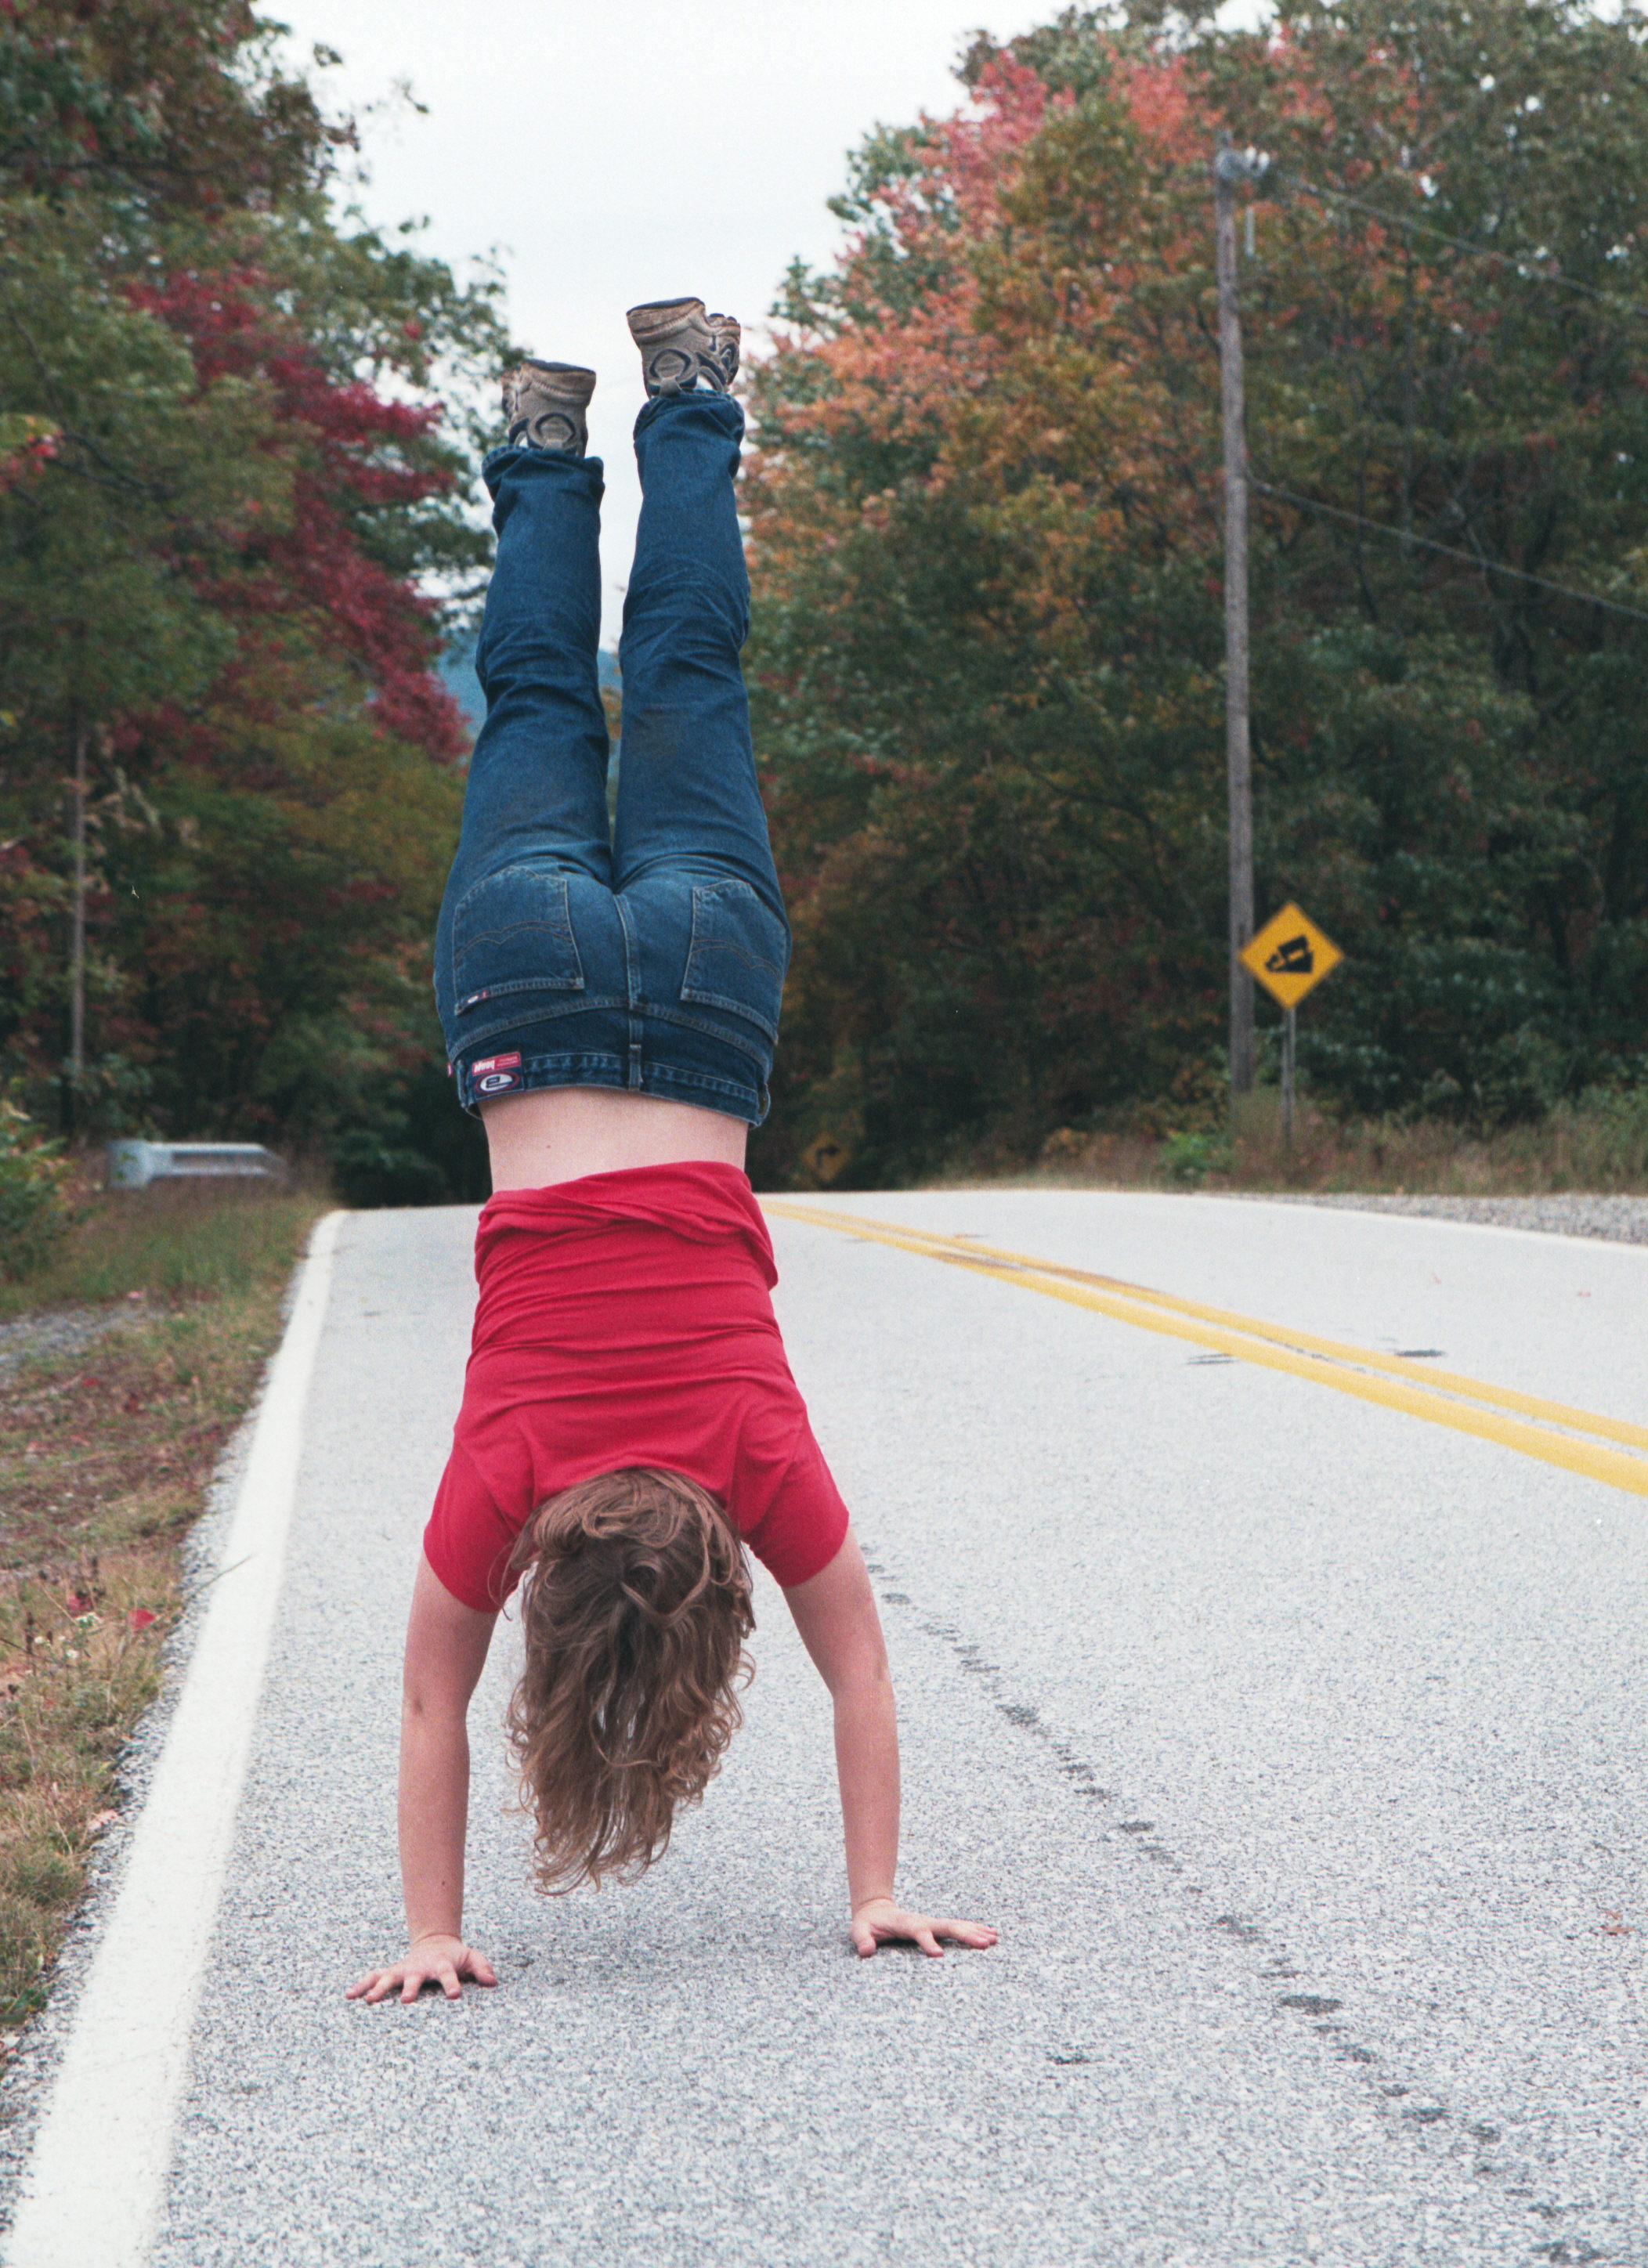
[1556,1432]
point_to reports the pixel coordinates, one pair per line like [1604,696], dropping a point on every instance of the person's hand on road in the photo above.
[878,1921]
[443,1961]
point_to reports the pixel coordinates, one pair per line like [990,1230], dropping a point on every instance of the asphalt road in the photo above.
[1294,1744]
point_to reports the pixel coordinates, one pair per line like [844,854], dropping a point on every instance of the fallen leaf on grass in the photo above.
[140,1618]
[100,1820]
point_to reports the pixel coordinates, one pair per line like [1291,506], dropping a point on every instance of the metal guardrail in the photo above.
[134,1165]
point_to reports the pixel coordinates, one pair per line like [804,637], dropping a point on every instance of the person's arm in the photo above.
[445,1650]
[835,1614]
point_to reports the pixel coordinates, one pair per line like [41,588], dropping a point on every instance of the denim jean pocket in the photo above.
[513,933]
[737,956]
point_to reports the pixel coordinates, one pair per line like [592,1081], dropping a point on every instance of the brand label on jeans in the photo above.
[496,1074]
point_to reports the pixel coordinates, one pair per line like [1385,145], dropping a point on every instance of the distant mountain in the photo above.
[456,672]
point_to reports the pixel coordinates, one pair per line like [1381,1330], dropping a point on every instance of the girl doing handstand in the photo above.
[610,1002]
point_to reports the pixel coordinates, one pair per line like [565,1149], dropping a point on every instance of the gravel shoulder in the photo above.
[1616,1219]
[54,1332]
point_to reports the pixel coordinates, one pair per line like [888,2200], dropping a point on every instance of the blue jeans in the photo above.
[653,957]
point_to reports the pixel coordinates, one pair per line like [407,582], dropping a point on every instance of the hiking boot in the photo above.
[727,335]
[544,404]
[682,348]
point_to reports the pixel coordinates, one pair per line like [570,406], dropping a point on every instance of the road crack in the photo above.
[1457,2129]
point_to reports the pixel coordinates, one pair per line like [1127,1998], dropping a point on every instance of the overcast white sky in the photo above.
[630,150]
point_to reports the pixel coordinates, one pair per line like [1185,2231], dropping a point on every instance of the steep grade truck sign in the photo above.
[1290,955]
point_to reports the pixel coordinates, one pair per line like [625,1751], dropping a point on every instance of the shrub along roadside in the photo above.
[33,1211]
[107,1453]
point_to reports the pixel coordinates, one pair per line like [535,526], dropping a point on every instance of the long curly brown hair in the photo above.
[635,1611]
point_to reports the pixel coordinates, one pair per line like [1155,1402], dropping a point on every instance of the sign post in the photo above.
[1290,1042]
[1290,956]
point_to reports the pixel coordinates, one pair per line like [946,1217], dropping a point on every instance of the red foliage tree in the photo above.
[352,456]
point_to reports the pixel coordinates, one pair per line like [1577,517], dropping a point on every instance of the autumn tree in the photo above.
[986,539]
[220,514]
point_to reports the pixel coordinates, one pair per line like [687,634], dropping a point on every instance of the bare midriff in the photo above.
[560,1133]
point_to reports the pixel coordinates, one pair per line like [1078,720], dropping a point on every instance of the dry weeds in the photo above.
[1597,1146]
[106,1458]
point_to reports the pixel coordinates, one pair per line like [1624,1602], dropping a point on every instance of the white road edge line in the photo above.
[96,2177]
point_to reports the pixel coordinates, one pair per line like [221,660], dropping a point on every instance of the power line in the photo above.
[1446,550]
[1513,260]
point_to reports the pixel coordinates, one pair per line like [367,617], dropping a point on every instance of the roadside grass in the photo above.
[1598,1145]
[171,1239]
[106,1454]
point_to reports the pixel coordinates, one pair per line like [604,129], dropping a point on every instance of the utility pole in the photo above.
[1228,167]
[77,928]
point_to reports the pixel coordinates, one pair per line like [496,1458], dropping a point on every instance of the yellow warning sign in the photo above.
[1289,955]
[824,1157]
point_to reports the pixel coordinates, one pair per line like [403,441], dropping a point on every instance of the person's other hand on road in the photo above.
[878,1921]
[438,1959]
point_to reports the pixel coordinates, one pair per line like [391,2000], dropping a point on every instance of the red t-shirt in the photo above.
[625,1319]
